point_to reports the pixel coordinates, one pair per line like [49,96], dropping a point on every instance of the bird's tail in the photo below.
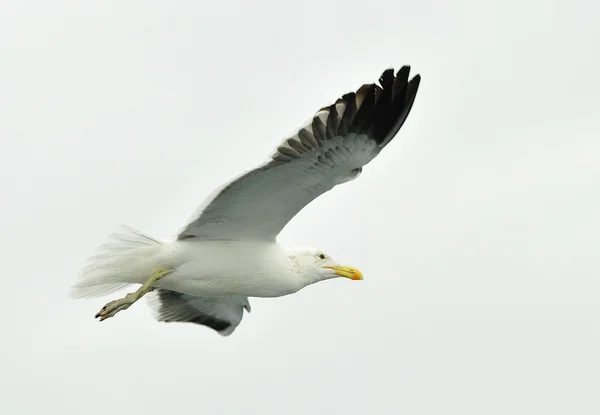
[127,258]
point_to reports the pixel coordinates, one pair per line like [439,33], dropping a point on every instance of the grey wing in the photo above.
[329,150]
[222,314]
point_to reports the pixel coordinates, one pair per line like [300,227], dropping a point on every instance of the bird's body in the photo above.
[229,251]
[212,268]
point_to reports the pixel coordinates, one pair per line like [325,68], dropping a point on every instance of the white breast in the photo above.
[221,268]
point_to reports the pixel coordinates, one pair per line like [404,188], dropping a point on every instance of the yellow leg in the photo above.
[113,307]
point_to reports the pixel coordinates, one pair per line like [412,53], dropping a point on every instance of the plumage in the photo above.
[228,251]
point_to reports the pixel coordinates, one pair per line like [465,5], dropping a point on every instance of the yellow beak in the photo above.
[348,272]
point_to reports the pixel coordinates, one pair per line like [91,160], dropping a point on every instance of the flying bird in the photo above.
[229,250]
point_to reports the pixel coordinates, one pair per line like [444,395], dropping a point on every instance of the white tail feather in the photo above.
[127,259]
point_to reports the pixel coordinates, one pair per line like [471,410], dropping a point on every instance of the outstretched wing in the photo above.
[220,314]
[329,150]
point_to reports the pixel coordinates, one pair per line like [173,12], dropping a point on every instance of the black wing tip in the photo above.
[376,109]
[387,78]
[402,74]
[402,105]
[416,80]
[382,109]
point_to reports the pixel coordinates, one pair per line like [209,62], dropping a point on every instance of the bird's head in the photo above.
[314,266]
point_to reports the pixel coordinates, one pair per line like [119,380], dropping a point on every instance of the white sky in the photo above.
[477,229]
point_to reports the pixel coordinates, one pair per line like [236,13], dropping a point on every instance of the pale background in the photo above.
[477,229]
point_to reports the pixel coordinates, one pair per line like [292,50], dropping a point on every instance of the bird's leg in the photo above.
[113,307]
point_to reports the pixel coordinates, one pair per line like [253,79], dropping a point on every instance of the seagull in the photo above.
[229,251]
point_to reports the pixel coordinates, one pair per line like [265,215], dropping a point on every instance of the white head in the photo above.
[314,266]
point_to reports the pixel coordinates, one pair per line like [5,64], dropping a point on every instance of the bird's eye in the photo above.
[321,256]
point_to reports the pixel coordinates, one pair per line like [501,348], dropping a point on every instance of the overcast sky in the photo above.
[477,229]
